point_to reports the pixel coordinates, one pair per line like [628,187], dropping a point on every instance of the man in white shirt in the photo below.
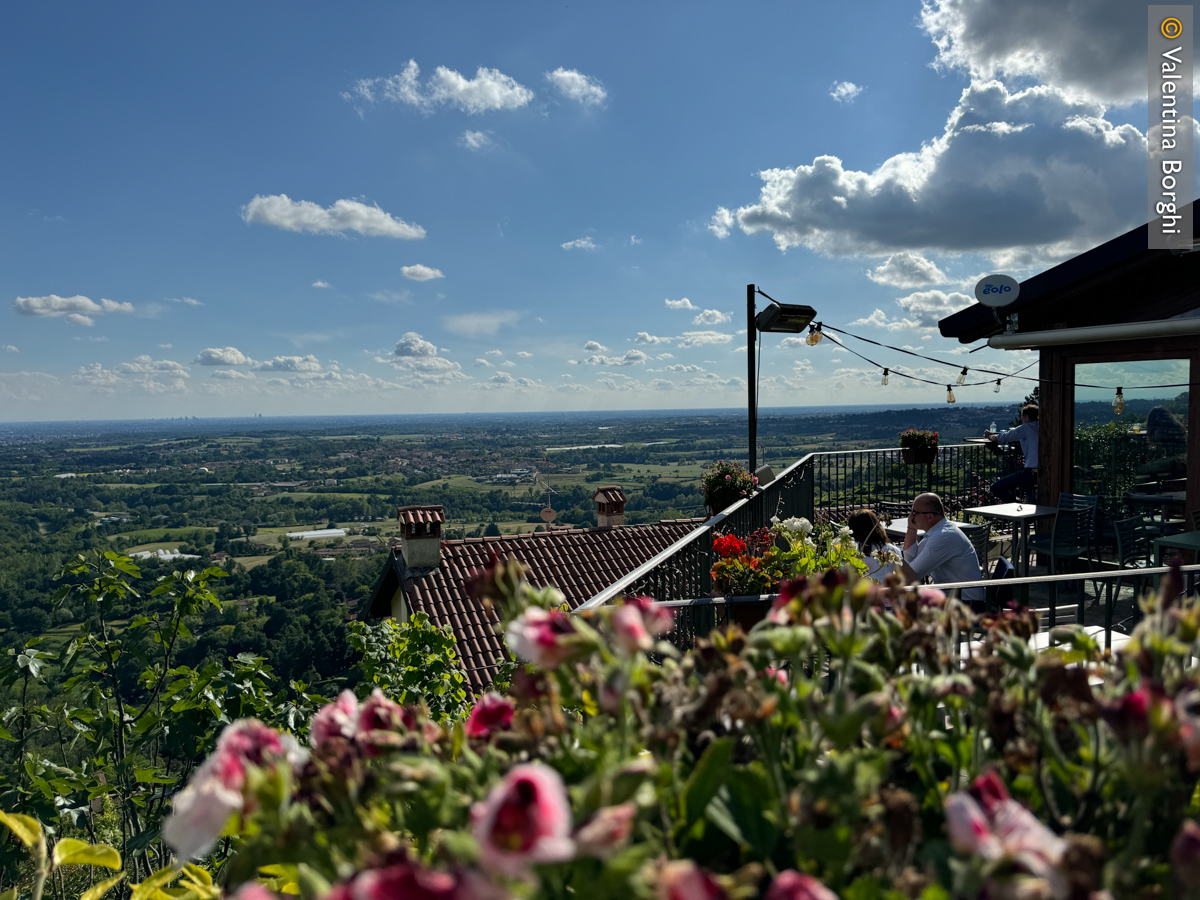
[1026,434]
[945,553]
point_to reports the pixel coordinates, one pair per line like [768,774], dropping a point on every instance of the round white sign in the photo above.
[997,290]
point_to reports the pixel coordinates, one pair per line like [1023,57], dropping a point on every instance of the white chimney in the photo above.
[610,506]
[421,535]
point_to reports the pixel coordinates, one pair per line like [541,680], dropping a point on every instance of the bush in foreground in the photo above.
[841,748]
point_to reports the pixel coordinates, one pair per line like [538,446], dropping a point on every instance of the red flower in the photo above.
[728,545]
[491,714]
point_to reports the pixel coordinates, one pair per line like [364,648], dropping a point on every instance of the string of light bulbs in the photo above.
[817,332]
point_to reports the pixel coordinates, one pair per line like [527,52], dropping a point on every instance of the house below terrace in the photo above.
[427,574]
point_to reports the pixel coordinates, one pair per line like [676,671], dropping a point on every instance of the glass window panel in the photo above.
[1136,460]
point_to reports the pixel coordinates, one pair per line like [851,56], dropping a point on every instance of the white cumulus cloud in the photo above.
[307,363]
[222,356]
[576,86]
[711,317]
[283,212]
[583,243]
[701,338]
[721,222]
[490,89]
[644,337]
[844,91]
[10,348]
[631,358]
[685,303]
[482,363]
[420,273]
[594,347]
[524,354]
[77,310]
[186,301]
[907,269]
[412,344]
[233,375]
[1061,185]
[1098,51]
[320,284]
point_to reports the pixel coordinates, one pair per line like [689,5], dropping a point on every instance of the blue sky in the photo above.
[288,208]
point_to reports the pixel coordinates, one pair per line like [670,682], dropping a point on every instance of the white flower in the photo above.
[794,527]
[845,537]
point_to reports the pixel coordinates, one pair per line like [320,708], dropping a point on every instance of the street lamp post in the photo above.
[779,318]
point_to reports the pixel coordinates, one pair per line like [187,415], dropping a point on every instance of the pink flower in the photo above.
[1004,829]
[380,723]
[779,675]
[541,636]
[490,714]
[638,620]
[727,477]
[968,828]
[684,880]
[408,879]
[524,820]
[336,719]
[607,831]
[200,812]
[793,885]
[252,890]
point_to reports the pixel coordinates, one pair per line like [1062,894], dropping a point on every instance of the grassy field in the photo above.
[151,535]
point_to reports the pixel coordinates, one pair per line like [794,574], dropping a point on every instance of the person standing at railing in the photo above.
[944,553]
[872,540]
[1025,434]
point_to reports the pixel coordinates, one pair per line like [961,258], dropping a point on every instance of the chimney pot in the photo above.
[421,535]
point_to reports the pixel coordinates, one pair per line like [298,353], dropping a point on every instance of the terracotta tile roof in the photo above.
[420,515]
[609,494]
[581,562]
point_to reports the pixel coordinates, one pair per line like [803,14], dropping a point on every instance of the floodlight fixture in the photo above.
[784,318]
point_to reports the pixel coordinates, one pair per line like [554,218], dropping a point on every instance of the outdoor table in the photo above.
[1016,513]
[1161,502]
[1188,541]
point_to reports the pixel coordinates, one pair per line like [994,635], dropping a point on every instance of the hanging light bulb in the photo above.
[949,394]
[885,375]
[996,389]
[814,335]
[962,376]
[1119,402]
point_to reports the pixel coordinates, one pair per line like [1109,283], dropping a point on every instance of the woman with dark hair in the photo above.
[872,540]
[1167,442]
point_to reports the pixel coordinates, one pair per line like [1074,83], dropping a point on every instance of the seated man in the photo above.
[1026,434]
[945,553]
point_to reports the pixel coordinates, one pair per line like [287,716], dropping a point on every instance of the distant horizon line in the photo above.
[564,412]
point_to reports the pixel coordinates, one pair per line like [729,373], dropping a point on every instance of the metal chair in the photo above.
[980,537]
[999,596]
[1070,539]
[1134,549]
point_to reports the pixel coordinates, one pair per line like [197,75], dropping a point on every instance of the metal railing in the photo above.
[698,617]
[821,487]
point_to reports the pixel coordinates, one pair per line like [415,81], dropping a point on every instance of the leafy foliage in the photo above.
[412,662]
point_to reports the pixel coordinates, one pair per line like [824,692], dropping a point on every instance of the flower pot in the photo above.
[918,456]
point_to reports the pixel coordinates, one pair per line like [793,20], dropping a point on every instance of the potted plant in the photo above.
[918,447]
[724,484]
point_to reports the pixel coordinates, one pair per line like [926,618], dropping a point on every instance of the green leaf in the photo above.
[99,890]
[4,735]
[151,776]
[70,852]
[706,778]
[27,829]
[148,888]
